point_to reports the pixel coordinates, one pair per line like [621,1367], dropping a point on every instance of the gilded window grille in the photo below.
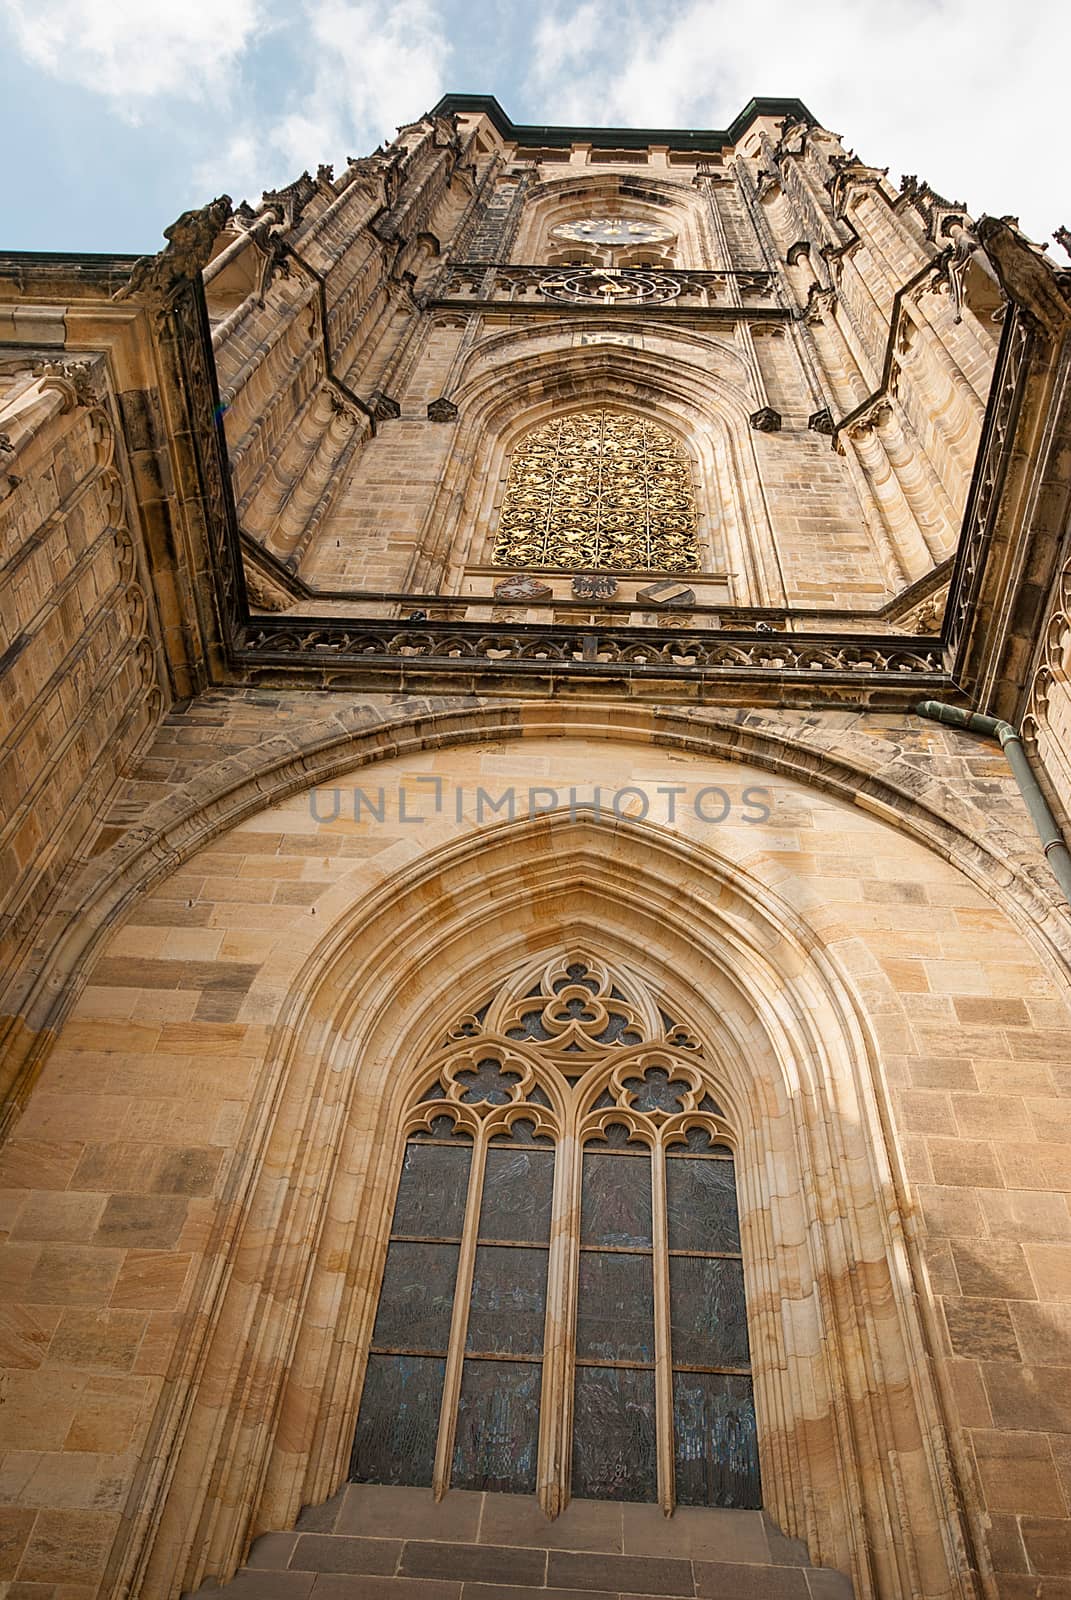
[598,491]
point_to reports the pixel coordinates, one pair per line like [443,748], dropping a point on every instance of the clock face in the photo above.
[612,231]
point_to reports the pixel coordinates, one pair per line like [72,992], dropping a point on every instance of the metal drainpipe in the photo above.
[1052,840]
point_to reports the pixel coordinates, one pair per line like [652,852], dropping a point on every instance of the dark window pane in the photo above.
[615,1308]
[399,1421]
[417,1297]
[701,1205]
[706,1307]
[517,1186]
[614,1452]
[431,1195]
[656,1091]
[444,1127]
[509,1301]
[488,1082]
[716,1446]
[616,1200]
[497,1437]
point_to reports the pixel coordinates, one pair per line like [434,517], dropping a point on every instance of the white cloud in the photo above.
[134,50]
[955,90]
[360,69]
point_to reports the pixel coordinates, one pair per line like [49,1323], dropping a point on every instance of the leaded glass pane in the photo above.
[431,1194]
[399,1422]
[701,1204]
[707,1314]
[417,1297]
[517,1188]
[488,1083]
[657,1091]
[615,1203]
[497,1436]
[614,1450]
[615,1307]
[509,1301]
[716,1443]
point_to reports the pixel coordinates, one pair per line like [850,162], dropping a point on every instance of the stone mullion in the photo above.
[459,1320]
[553,1483]
[663,1338]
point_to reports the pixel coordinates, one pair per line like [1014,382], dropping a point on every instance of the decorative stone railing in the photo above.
[366,651]
[619,288]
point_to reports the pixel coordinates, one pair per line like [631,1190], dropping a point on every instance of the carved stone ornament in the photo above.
[442,410]
[821,421]
[383,408]
[667,593]
[594,586]
[930,615]
[766,420]
[9,481]
[158,279]
[523,588]
[79,382]
[1025,273]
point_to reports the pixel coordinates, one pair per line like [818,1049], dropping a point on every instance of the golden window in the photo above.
[598,491]
[562,1306]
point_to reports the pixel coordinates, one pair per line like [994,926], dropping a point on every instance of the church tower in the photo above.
[535,886]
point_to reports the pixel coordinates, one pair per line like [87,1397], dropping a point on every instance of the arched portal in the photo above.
[851,1435]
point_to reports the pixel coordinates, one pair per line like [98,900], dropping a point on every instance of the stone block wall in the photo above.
[122,1183]
[78,671]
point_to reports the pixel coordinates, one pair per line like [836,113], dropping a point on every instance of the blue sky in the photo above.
[116,115]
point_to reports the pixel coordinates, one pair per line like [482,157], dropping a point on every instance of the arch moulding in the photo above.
[100,892]
[258,1420]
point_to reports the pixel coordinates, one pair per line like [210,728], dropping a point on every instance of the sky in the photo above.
[117,115]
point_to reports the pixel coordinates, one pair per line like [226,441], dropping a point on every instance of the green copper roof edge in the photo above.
[523,133]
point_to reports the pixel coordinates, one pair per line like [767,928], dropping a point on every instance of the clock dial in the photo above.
[613,231]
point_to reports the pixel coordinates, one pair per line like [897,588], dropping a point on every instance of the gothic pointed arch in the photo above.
[561,1307]
[851,1431]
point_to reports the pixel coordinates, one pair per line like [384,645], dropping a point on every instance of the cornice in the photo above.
[549,135]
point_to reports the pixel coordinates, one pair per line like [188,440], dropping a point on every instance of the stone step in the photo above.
[373,1542]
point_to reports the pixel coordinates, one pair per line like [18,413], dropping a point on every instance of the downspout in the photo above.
[1052,840]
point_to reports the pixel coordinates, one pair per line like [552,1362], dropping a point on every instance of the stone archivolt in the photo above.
[847,1446]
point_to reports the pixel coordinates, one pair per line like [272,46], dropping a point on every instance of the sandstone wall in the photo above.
[157,1183]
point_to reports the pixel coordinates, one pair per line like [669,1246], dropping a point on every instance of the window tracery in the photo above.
[598,490]
[562,1304]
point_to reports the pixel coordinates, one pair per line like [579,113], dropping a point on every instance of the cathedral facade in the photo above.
[536,1004]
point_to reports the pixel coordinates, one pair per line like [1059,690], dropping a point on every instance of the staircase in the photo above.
[372,1542]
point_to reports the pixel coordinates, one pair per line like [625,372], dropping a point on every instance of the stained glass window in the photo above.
[598,490]
[645,1390]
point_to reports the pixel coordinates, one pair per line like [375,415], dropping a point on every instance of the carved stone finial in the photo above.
[1025,272]
[325,173]
[77,381]
[8,480]
[1063,238]
[442,410]
[157,279]
[930,615]
[766,420]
